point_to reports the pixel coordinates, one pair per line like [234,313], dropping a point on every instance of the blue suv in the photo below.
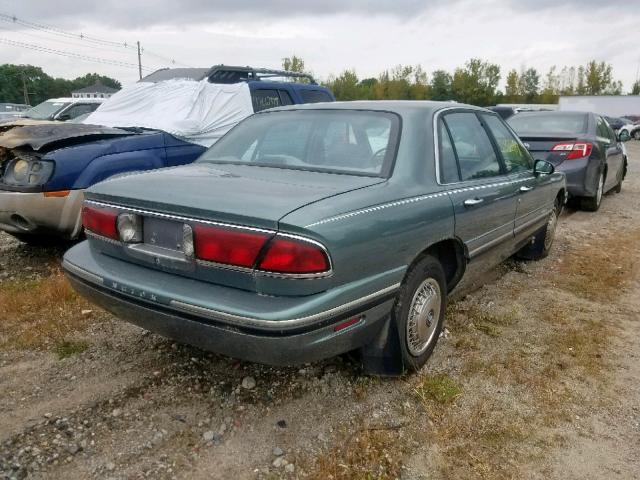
[45,168]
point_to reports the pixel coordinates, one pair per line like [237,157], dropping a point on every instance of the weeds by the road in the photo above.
[519,366]
[41,313]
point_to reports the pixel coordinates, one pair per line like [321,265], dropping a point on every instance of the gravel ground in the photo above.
[131,404]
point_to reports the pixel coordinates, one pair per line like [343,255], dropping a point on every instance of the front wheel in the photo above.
[419,311]
[636,134]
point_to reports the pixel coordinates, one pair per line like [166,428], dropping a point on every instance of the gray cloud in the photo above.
[146,13]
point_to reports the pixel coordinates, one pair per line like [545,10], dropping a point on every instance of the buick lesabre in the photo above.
[312,230]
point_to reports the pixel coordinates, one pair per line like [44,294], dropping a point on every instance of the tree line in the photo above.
[476,82]
[39,86]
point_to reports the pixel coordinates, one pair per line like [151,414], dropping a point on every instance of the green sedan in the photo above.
[313,230]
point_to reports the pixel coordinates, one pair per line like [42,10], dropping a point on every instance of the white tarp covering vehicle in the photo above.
[196,111]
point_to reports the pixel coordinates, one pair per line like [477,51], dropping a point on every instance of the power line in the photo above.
[56,31]
[73,43]
[92,40]
[40,48]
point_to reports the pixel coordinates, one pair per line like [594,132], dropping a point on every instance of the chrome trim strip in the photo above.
[81,272]
[492,243]
[528,223]
[102,237]
[243,321]
[413,200]
[151,213]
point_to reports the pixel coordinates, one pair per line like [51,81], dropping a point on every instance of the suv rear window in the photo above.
[339,141]
[315,96]
[548,123]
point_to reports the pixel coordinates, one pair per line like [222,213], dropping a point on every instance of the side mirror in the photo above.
[64,117]
[542,167]
[624,136]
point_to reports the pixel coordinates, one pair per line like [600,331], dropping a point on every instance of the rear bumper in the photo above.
[33,213]
[582,177]
[262,338]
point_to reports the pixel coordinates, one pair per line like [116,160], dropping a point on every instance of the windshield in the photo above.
[45,110]
[557,123]
[340,141]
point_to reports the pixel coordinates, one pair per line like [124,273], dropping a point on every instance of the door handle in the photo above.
[525,188]
[470,202]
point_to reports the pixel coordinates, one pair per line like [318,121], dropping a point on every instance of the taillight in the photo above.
[100,220]
[574,150]
[288,255]
[228,246]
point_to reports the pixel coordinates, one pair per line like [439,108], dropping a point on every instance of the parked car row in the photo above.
[11,111]
[167,119]
[287,227]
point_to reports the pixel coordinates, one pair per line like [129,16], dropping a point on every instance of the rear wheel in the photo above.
[636,134]
[592,204]
[419,311]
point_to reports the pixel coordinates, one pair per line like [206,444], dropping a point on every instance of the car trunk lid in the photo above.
[238,194]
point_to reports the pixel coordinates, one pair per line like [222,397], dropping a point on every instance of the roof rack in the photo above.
[234,74]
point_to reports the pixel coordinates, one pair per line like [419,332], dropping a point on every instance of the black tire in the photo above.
[426,274]
[542,242]
[592,204]
[636,134]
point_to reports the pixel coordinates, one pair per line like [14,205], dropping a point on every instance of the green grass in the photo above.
[440,388]
[68,348]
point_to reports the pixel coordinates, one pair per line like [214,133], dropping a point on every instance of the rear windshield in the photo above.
[549,123]
[340,141]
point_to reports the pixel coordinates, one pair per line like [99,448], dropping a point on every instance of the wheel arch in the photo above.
[452,254]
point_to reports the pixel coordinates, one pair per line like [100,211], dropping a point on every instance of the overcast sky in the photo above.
[330,35]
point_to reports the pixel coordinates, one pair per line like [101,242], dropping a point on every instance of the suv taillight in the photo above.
[101,221]
[574,150]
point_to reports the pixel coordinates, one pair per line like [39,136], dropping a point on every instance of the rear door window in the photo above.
[314,96]
[476,156]
[285,98]
[602,129]
[448,164]
[80,109]
[263,99]
[515,156]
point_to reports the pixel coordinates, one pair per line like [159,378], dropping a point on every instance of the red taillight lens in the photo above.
[286,255]
[100,220]
[228,245]
[574,150]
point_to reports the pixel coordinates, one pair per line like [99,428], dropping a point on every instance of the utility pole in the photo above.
[139,61]
[24,88]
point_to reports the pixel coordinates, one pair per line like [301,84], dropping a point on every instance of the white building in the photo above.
[94,91]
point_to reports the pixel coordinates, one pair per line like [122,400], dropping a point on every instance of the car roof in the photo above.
[76,100]
[532,113]
[397,106]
